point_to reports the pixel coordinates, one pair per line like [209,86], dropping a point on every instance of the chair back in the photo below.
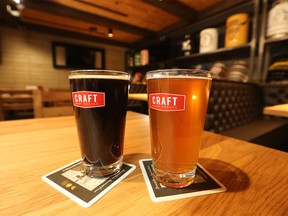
[52,103]
[18,101]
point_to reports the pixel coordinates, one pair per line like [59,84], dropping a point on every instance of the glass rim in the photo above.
[166,73]
[102,72]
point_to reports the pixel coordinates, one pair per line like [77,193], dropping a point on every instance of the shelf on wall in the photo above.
[276,40]
[223,54]
[220,54]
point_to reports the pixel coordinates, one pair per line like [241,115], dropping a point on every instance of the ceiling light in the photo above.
[14,8]
[110,33]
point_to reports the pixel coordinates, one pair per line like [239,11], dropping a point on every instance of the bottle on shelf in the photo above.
[129,60]
[187,45]
[137,59]
[144,57]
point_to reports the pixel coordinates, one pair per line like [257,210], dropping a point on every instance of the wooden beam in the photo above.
[211,17]
[224,5]
[118,12]
[176,8]
[61,10]
[62,33]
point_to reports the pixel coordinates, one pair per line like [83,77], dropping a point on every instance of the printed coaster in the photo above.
[82,189]
[204,184]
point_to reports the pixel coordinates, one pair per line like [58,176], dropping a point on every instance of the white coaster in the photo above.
[84,190]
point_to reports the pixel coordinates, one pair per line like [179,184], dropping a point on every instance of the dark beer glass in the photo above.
[178,101]
[99,101]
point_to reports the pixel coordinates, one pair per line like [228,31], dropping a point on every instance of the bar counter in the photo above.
[255,176]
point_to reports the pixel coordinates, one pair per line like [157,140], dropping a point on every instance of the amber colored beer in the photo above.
[176,128]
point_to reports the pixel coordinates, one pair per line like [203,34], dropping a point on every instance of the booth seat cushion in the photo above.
[232,104]
[267,132]
[255,129]
[274,94]
[236,110]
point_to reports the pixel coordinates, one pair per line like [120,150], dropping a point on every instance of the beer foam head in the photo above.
[179,73]
[179,77]
[99,74]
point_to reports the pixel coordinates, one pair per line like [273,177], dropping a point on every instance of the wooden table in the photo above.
[255,176]
[277,110]
[138,96]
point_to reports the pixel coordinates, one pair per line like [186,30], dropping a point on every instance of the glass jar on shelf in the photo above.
[277,23]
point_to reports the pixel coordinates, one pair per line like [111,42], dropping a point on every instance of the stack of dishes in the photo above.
[219,70]
[239,71]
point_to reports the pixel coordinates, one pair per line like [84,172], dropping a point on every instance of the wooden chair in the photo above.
[52,103]
[15,103]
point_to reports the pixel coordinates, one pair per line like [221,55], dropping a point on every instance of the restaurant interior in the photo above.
[243,42]
[42,42]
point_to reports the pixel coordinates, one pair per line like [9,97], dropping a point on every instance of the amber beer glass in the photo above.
[99,101]
[178,101]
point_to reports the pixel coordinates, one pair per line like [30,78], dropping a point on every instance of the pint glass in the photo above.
[99,101]
[178,101]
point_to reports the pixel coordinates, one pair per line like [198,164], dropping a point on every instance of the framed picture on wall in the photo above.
[77,57]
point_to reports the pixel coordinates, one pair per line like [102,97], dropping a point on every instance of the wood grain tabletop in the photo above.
[255,176]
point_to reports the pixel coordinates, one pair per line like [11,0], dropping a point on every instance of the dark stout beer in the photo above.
[100,111]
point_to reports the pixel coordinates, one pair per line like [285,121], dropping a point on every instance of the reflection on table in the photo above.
[277,110]
[255,176]
[138,96]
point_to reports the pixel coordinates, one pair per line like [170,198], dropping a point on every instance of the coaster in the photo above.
[82,189]
[204,184]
